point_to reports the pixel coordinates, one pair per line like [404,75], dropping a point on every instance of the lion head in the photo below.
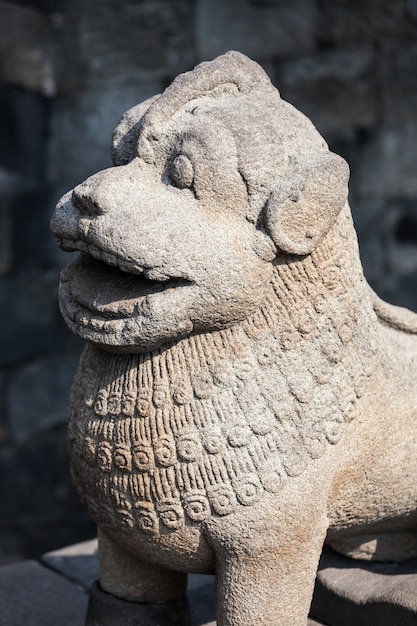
[212,181]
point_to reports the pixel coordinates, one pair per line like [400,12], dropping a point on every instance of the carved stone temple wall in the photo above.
[68,70]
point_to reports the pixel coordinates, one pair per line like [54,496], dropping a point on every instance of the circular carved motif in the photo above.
[171,514]
[143,458]
[114,403]
[160,396]
[272,479]
[100,405]
[104,457]
[128,403]
[239,435]
[222,498]
[164,450]
[203,385]
[196,506]
[213,441]
[248,489]
[144,401]
[182,393]
[188,447]
[122,458]
[147,519]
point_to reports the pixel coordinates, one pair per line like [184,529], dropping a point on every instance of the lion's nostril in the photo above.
[85,203]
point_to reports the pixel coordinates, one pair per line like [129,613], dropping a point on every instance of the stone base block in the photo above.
[31,595]
[107,610]
[360,593]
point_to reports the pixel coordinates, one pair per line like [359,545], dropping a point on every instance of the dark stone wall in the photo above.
[68,70]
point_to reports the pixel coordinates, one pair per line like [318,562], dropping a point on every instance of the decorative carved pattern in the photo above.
[216,421]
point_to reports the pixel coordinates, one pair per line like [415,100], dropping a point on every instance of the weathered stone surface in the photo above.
[351,592]
[137,49]
[79,563]
[31,595]
[45,599]
[243,393]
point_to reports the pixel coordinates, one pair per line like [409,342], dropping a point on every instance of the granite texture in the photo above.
[243,394]
[66,73]
[32,595]
[347,593]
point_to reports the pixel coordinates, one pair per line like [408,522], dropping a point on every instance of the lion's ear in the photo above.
[306,205]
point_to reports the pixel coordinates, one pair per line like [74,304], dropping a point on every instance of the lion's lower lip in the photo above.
[97,294]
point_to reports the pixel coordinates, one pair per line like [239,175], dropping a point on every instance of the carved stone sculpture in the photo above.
[243,393]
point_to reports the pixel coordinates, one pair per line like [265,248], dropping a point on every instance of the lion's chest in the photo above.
[162,442]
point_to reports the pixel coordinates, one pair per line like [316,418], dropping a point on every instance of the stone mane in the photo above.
[210,423]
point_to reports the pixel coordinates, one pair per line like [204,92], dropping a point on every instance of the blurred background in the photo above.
[68,70]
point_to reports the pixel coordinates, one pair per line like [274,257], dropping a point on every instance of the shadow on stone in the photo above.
[363,593]
[107,610]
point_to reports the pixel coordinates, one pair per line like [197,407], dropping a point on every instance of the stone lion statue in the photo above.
[243,394]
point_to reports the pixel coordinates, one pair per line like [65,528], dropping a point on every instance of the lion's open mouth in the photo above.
[101,293]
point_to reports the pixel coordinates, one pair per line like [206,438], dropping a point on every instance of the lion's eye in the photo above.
[181,172]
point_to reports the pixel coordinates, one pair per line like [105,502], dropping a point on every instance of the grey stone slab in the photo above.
[105,609]
[351,592]
[32,595]
[203,605]
[78,563]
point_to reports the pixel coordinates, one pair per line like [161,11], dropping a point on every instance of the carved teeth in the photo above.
[122,265]
[107,258]
[155,274]
[68,245]
[98,324]
[81,319]
[130,267]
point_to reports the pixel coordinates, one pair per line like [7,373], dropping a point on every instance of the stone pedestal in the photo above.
[348,593]
[55,591]
[360,593]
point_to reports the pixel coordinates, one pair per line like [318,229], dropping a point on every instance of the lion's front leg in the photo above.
[135,592]
[271,588]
